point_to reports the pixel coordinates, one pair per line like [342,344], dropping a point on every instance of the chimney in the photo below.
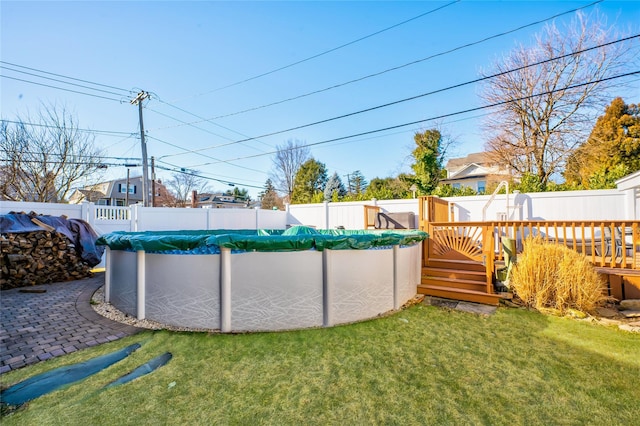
[194,199]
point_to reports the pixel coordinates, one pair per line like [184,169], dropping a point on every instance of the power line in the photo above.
[199,175]
[322,53]
[64,76]
[62,88]
[193,168]
[204,120]
[61,81]
[466,111]
[103,132]
[421,95]
[315,92]
[200,128]
[202,155]
[91,157]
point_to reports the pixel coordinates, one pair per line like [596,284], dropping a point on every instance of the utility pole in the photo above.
[349,183]
[145,172]
[126,195]
[153,181]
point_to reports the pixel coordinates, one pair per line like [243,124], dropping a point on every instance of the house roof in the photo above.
[470,171]
[478,158]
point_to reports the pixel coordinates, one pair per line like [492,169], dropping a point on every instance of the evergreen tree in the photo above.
[428,160]
[334,189]
[241,194]
[269,197]
[389,188]
[357,183]
[310,182]
[611,151]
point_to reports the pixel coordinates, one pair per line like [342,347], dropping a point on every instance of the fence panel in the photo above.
[168,219]
[307,214]
[232,219]
[72,211]
[271,219]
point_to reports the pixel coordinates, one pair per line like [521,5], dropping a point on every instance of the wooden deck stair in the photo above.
[456,279]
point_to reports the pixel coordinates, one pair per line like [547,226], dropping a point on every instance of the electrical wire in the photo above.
[201,119]
[439,117]
[102,132]
[61,81]
[192,168]
[315,123]
[315,92]
[203,155]
[204,130]
[200,175]
[62,88]
[64,76]
[322,53]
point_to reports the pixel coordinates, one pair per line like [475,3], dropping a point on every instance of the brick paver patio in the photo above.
[37,326]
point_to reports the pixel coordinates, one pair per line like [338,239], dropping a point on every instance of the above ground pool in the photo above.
[264,280]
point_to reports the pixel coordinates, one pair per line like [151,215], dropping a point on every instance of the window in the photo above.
[482,185]
[120,202]
[102,202]
[456,185]
[123,188]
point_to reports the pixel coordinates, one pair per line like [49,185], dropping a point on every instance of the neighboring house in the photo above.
[114,193]
[476,171]
[220,201]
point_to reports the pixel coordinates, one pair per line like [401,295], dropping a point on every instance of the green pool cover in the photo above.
[296,238]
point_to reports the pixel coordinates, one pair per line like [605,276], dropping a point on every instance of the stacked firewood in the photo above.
[40,257]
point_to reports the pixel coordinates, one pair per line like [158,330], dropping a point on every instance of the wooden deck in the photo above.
[459,258]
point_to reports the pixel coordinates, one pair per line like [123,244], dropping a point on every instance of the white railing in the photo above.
[112,213]
[504,184]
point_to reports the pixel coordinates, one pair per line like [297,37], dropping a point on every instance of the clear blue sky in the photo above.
[186,53]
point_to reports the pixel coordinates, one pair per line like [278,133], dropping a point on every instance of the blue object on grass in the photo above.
[52,380]
[146,368]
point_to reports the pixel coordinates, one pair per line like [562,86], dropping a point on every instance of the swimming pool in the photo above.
[264,280]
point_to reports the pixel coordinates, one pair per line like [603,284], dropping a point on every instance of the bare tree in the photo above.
[286,164]
[542,119]
[182,184]
[44,156]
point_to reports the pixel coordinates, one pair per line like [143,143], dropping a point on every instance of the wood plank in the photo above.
[455,283]
[460,294]
[456,264]
[453,273]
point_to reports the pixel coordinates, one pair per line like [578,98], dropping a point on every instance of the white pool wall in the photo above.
[263,291]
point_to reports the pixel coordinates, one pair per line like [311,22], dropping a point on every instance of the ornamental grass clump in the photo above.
[549,276]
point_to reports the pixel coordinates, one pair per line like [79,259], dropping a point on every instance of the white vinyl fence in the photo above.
[105,219]
[349,215]
[609,204]
[597,205]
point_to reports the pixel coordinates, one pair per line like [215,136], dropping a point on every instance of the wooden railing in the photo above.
[370,216]
[607,244]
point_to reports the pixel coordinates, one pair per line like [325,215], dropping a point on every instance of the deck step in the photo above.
[429,271]
[455,283]
[458,265]
[460,294]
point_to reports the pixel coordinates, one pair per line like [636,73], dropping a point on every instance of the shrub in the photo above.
[549,276]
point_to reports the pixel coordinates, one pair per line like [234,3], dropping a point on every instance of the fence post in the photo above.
[257,218]
[134,217]
[287,219]
[326,215]
[85,213]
